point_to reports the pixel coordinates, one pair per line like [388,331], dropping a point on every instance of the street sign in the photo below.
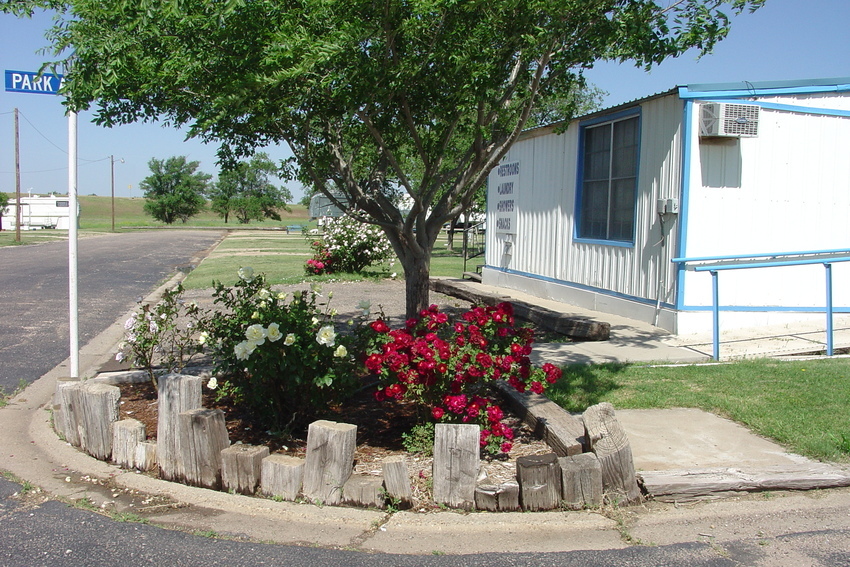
[29,82]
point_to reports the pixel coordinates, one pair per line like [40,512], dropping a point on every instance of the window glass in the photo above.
[609,180]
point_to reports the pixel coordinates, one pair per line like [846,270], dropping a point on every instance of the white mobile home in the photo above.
[40,212]
[722,173]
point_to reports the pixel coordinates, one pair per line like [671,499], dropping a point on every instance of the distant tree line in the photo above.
[176,191]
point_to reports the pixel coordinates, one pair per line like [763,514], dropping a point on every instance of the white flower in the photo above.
[203,338]
[365,306]
[244,349]
[119,356]
[315,320]
[212,384]
[246,273]
[130,323]
[273,333]
[340,351]
[316,288]
[290,338]
[281,296]
[264,294]
[393,275]
[163,316]
[256,334]
[153,327]
[326,336]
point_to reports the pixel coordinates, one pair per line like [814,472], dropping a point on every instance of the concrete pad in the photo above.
[686,438]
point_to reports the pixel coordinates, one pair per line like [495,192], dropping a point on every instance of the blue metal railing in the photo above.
[715,264]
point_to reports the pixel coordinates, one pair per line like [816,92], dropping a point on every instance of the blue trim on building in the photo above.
[582,287]
[812,110]
[763,309]
[685,204]
[636,110]
[620,243]
[747,89]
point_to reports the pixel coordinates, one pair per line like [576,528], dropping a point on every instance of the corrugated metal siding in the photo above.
[543,243]
[793,195]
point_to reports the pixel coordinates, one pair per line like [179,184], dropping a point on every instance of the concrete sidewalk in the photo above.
[688,450]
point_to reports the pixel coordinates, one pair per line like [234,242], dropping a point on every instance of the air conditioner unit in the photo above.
[729,120]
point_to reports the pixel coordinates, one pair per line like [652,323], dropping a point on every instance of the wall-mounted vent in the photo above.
[723,119]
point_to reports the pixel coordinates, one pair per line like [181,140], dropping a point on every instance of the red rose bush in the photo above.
[446,367]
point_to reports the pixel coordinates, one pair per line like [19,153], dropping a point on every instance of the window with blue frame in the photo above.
[608,184]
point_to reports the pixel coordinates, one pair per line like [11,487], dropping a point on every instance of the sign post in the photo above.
[49,83]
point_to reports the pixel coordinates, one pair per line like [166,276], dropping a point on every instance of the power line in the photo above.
[49,141]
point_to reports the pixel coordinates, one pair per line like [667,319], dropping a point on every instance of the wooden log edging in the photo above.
[578,486]
[573,326]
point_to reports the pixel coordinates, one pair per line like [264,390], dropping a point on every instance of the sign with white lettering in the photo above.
[29,82]
[504,195]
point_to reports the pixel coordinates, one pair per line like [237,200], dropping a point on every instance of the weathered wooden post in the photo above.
[96,410]
[397,480]
[282,475]
[608,440]
[241,467]
[363,490]
[329,461]
[498,498]
[581,480]
[126,436]
[456,463]
[203,436]
[539,482]
[177,393]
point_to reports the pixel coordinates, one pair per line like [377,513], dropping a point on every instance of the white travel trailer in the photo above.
[37,213]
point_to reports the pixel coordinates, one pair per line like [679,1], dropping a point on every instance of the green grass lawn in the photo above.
[804,405]
[96,214]
[281,257]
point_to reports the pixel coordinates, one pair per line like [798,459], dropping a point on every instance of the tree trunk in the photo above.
[417,271]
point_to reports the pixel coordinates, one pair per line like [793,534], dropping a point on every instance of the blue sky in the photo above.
[785,40]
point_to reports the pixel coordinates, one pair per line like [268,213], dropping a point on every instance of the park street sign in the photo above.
[29,82]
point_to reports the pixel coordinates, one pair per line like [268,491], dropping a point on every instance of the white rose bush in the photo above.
[155,338]
[349,246]
[277,355]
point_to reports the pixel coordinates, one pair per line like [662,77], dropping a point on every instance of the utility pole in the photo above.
[112,172]
[17,179]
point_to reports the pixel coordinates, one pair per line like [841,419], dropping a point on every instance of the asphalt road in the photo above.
[113,271]
[34,533]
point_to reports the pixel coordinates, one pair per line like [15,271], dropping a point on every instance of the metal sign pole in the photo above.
[72,246]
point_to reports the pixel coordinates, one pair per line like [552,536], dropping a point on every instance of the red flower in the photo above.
[506,447]
[494,413]
[380,326]
[537,387]
[437,412]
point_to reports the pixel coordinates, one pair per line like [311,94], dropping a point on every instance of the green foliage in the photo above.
[174,190]
[420,439]
[245,191]
[347,246]
[4,205]
[277,355]
[153,335]
[422,96]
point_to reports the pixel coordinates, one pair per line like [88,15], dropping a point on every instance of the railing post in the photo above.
[829,337]
[715,311]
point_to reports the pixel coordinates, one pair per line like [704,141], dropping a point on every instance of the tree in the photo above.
[422,97]
[174,190]
[4,204]
[245,191]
